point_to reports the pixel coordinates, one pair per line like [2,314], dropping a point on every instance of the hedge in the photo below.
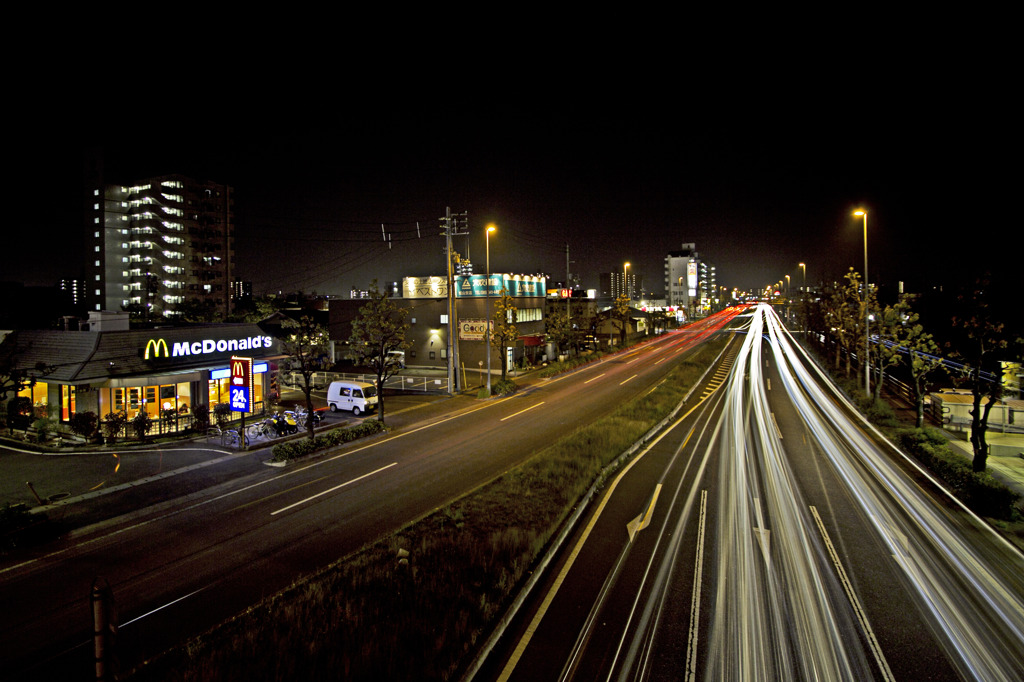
[300,448]
[978,490]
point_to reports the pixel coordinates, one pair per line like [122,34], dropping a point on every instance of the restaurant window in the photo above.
[67,402]
[220,393]
[37,394]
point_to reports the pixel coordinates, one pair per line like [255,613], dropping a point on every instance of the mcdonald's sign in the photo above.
[154,347]
[241,383]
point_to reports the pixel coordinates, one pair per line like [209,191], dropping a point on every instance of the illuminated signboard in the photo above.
[473,286]
[240,389]
[159,348]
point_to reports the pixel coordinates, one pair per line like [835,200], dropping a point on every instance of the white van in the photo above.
[355,396]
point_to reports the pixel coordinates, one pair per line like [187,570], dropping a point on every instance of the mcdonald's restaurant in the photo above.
[164,372]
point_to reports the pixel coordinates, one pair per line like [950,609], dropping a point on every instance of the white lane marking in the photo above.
[161,608]
[876,648]
[698,575]
[331,490]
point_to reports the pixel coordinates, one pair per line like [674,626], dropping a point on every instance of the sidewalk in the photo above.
[1006,455]
[1006,450]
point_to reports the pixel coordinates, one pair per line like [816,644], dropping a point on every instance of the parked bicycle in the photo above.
[300,415]
[231,438]
[261,429]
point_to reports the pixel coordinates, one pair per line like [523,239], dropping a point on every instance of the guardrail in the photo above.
[398,382]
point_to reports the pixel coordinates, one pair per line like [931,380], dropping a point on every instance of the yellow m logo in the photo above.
[155,345]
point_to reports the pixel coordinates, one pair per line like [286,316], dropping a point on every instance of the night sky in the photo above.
[758,187]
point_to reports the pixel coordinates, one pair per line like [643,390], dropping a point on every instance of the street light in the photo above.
[867,361]
[625,281]
[803,292]
[487,335]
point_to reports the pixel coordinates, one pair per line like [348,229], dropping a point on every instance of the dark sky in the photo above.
[759,186]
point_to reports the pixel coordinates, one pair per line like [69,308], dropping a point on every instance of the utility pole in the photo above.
[452,225]
[568,301]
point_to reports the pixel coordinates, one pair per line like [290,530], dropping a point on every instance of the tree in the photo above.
[982,341]
[505,332]
[198,311]
[923,360]
[378,329]
[890,349]
[838,320]
[255,309]
[844,316]
[559,329]
[306,341]
[14,377]
[583,322]
[620,314]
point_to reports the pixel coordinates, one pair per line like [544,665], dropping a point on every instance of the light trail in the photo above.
[777,617]
[979,615]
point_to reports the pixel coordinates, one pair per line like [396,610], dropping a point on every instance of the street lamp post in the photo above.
[487,334]
[803,292]
[625,280]
[867,337]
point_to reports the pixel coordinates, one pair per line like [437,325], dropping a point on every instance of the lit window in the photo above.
[97,249]
[96,234]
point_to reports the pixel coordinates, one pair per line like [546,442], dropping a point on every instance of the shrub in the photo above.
[141,424]
[43,427]
[84,424]
[978,490]
[300,448]
[201,418]
[504,387]
[114,425]
[222,413]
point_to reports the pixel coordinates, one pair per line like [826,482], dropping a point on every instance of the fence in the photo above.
[399,382]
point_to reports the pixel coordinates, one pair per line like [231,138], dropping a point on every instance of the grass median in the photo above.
[415,605]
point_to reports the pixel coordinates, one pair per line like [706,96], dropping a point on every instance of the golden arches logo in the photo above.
[155,345]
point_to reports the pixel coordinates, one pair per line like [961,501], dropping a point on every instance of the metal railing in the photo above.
[398,382]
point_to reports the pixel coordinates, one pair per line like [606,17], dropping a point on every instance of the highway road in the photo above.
[177,568]
[766,535]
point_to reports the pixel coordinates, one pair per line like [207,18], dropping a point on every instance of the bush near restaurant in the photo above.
[294,449]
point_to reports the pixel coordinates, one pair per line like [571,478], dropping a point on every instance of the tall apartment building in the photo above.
[690,282]
[157,243]
[615,284]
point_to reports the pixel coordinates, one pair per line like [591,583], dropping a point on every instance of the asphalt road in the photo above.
[184,552]
[766,536]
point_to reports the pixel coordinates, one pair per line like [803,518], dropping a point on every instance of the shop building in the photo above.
[164,372]
[426,300]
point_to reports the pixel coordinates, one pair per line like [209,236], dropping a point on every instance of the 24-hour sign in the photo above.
[241,384]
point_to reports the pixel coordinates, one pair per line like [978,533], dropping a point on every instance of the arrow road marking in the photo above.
[644,520]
